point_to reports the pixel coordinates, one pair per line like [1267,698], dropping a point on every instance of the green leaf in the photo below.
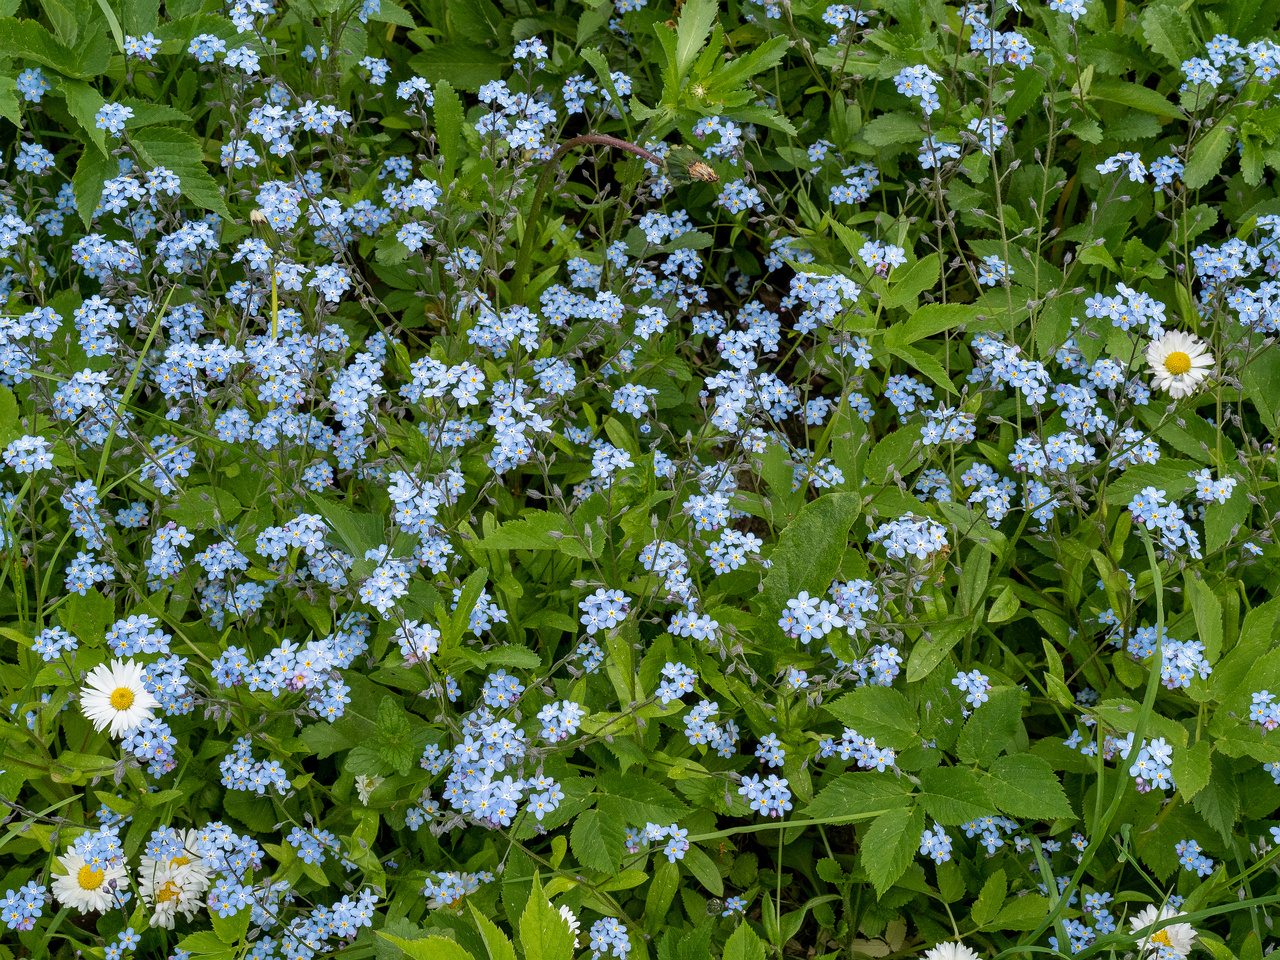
[743,944]
[925,363]
[932,318]
[954,795]
[1136,96]
[495,941]
[1023,913]
[1169,33]
[697,17]
[734,72]
[114,23]
[83,103]
[544,934]
[358,532]
[388,12]
[906,287]
[1191,768]
[428,948]
[207,946]
[898,452]
[233,928]
[204,508]
[1024,785]
[466,66]
[1207,610]
[64,20]
[991,899]
[448,120]
[92,170]
[933,647]
[598,841]
[701,866]
[992,727]
[892,128]
[543,530]
[1004,606]
[1219,802]
[1220,519]
[1207,157]
[859,796]
[181,152]
[86,618]
[638,800]
[809,551]
[145,114]
[890,845]
[10,109]
[879,712]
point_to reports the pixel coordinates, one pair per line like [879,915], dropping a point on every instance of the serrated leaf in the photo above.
[992,727]
[907,286]
[990,899]
[638,800]
[1219,802]
[83,103]
[495,941]
[10,109]
[809,551]
[204,508]
[544,934]
[1024,785]
[890,845]
[697,17]
[743,944]
[954,795]
[181,152]
[542,530]
[428,948]
[1191,768]
[859,796]
[448,122]
[1023,913]
[879,712]
[598,841]
[892,128]
[1207,157]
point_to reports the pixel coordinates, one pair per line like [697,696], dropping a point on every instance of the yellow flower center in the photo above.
[179,861]
[121,698]
[168,891]
[1177,363]
[89,878]
[1162,936]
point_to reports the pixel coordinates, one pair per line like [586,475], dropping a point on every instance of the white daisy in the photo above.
[1179,937]
[1179,362]
[571,919]
[173,885]
[86,887]
[366,785]
[950,951]
[115,695]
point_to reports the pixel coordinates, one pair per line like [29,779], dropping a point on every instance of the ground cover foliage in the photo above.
[619,479]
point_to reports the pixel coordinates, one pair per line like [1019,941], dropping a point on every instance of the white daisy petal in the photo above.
[115,696]
[1178,362]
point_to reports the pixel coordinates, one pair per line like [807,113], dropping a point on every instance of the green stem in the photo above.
[519,276]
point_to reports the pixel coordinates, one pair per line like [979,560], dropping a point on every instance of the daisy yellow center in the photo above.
[1162,936]
[1177,363]
[168,891]
[179,861]
[89,878]
[121,698]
